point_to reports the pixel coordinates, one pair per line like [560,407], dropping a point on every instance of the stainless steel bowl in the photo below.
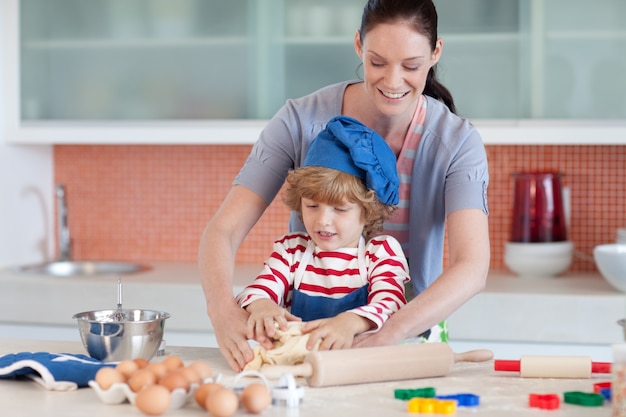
[138,335]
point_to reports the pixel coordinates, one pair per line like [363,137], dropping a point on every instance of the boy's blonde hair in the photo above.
[333,187]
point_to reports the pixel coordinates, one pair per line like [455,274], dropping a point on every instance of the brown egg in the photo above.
[107,376]
[141,362]
[173,362]
[127,368]
[141,379]
[256,397]
[174,380]
[202,368]
[191,375]
[158,368]
[204,390]
[153,400]
[222,402]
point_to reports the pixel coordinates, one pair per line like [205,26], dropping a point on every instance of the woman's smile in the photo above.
[391,95]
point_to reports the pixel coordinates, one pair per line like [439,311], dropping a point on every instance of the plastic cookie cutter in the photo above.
[246,374]
[462,400]
[431,406]
[407,394]
[287,392]
[544,401]
[603,388]
[586,399]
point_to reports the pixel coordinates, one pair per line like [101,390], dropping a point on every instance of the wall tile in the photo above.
[150,203]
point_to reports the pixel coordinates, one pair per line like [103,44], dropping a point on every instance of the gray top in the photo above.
[450,171]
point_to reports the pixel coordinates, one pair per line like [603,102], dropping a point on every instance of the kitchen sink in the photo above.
[73,268]
[64,266]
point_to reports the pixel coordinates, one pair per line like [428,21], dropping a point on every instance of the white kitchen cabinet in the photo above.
[209,71]
[572,315]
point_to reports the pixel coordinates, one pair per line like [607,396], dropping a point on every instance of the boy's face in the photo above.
[332,227]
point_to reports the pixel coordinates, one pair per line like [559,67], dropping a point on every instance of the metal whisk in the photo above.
[119,313]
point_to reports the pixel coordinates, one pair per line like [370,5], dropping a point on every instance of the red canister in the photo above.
[538,214]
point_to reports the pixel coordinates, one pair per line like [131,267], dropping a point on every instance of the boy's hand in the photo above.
[336,332]
[264,313]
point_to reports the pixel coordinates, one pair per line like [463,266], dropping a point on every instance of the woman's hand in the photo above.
[264,316]
[386,336]
[229,325]
[335,333]
[216,259]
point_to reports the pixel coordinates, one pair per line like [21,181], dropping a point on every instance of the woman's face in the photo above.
[332,227]
[396,60]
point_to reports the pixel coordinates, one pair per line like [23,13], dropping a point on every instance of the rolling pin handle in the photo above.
[478,355]
[601,367]
[506,365]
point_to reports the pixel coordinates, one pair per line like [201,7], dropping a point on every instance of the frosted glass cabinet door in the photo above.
[535,59]
[136,59]
[126,60]
[319,43]
[75,64]
[482,62]
[584,60]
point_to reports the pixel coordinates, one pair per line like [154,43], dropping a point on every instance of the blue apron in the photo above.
[312,307]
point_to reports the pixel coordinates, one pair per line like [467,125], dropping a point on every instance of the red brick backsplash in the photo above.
[151,202]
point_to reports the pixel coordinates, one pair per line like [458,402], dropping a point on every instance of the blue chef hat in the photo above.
[348,145]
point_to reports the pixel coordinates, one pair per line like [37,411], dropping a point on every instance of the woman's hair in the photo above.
[333,187]
[422,16]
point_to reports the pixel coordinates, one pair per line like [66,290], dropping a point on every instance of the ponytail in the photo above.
[438,91]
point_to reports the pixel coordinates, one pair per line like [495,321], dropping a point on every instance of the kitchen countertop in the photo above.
[578,308]
[500,393]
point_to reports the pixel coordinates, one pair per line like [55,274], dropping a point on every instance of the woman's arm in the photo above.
[219,243]
[469,256]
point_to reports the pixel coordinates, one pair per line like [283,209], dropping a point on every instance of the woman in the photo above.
[440,157]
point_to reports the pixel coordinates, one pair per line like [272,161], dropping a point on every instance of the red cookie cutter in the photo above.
[544,401]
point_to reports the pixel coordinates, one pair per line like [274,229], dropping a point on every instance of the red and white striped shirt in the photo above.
[334,274]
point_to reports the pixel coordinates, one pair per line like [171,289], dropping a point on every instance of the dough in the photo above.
[289,348]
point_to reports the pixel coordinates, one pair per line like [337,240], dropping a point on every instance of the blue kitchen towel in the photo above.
[54,371]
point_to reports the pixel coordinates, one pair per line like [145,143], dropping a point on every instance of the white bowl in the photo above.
[611,262]
[563,248]
[538,260]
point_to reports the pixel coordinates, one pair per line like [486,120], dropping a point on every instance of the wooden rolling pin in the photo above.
[537,366]
[377,364]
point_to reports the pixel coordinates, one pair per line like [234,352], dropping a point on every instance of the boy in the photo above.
[336,276]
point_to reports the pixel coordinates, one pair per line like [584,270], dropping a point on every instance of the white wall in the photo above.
[26,175]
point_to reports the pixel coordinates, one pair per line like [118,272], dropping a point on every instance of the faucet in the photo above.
[65,241]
